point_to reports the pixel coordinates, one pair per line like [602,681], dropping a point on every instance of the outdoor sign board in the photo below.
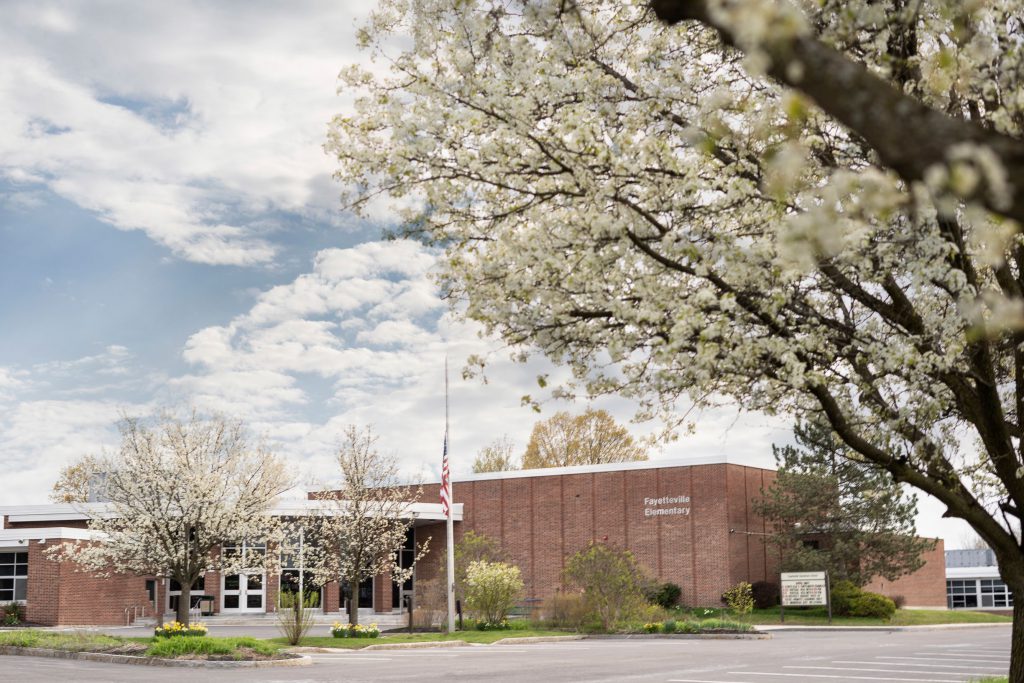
[805,589]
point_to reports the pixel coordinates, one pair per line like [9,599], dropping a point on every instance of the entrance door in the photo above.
[243,593]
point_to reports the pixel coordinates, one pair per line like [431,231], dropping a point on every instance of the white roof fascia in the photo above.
[972,572]
[13,538]
[63,511]
[605,467]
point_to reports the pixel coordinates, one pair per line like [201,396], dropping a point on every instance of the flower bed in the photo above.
[176,628]
[339,630]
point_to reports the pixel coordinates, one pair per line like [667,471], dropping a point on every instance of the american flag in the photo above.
[446,486]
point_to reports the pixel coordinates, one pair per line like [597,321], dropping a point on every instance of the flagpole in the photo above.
[450,526]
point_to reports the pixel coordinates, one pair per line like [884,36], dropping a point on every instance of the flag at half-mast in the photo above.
[446,486]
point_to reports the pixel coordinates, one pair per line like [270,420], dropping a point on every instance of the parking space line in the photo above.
[931,666]
[891,671]
[957,659]
[847,678]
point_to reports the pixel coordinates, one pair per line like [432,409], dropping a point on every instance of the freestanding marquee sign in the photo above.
[805,589]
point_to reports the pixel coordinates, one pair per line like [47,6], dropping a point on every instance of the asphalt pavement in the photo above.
[932,656]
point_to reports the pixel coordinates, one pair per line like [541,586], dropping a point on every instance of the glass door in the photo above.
[245,591]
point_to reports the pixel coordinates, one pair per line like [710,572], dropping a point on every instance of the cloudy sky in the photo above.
[170,235]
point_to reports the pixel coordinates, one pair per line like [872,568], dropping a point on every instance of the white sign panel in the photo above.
[804,589]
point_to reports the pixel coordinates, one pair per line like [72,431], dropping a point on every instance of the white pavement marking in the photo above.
[931,666]
[847,678]
[956,659]
[890,671]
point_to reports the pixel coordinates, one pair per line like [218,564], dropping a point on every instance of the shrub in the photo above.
[739,598]
[611,581]
[176,628]
[669,626]
[766,594]
[492,589]
[294,615]
[900,601]
[842,596]
[664,594]
[11,614]
[565,610]
[652,627]
[872,605]
[340,630]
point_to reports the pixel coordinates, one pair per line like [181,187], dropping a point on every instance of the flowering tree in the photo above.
[492,589]
[803,207]
[174,493]
[362,525]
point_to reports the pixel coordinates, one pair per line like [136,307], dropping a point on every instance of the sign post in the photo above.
[805,589]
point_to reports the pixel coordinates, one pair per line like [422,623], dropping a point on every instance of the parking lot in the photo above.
[933,656]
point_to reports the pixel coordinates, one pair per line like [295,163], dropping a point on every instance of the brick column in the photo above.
[382,593]
[332,597]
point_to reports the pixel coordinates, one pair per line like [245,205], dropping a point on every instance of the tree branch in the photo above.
[908,136]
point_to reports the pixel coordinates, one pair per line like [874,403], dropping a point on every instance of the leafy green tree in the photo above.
[497,456]
[612,582]
[474,547]
[591,438]
[492,589]
[831,510]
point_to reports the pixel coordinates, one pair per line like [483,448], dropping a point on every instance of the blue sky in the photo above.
[170,235]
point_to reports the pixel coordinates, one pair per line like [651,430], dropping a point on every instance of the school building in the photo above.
[688,521]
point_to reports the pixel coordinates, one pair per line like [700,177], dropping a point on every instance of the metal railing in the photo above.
[132,612]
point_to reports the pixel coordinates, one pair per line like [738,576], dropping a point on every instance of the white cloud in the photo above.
[192,122]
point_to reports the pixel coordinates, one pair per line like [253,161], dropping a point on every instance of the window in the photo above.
[994,593]
[961,593]
[294,578]
[13,576]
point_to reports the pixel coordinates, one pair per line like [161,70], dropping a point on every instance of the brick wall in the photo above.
[924,588]
[541,520]
[60,594]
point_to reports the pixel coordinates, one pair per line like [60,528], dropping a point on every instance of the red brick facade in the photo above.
[924,588]
[692,525]
[541,520]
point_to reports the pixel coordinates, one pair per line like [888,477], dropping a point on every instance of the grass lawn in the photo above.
[192,647]
[815,616]
[482,637]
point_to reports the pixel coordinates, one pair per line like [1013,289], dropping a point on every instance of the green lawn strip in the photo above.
[184,646]
[481,637]
[818,616]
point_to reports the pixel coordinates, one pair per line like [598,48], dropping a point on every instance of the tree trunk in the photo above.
[1017,638]
[184,601]
[353,603]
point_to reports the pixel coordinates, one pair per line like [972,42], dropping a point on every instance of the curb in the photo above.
[536,639]
[755,635]
[301,660]
[880,629]
[413,646]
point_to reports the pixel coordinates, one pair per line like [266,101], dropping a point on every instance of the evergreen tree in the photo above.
[833,511]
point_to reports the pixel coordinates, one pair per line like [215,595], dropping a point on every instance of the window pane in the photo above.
[231,582]
[6,595]
[175,586]
[6,584]
[230,602]
[200,584]
[21,570]
[6,558]
[20,589]
[986,601]
[21,557]
[254,601]
[254,582]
